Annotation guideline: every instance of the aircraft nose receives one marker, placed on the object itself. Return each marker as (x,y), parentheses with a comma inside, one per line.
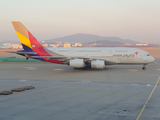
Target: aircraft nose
(152,59)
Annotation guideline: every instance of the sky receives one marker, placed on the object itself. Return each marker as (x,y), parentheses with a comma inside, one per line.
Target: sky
(137,20)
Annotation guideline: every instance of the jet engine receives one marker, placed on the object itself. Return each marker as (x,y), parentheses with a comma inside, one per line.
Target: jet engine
(77,63)
(98,64)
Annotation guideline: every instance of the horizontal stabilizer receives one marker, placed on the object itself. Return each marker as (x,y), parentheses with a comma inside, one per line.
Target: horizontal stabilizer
(25,53)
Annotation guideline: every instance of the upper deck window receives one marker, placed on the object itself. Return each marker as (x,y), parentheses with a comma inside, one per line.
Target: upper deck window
(121,51)
(88,51)
(63,50)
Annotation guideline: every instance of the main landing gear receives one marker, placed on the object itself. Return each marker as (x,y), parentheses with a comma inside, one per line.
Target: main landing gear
(144,68)
(84,68)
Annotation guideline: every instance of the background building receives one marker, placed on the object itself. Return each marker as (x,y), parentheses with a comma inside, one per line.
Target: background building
(77,45)
(67,45)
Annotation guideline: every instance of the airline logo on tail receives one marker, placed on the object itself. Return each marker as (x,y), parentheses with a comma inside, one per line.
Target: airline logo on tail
(30,44)
(28,41)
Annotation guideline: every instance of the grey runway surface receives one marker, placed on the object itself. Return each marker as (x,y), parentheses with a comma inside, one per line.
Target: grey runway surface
(115,93)
(157,61)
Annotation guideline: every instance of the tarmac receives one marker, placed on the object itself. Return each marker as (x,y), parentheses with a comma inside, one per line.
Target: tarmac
(118,92)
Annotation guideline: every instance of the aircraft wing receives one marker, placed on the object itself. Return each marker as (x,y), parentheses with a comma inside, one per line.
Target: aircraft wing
(66,59)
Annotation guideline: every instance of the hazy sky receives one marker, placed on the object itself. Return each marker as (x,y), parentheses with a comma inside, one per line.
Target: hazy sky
(46,19)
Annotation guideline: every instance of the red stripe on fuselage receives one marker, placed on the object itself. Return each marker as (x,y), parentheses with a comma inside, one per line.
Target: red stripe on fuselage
(38,48)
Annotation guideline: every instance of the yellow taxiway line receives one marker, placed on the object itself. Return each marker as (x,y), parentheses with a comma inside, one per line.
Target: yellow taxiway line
(148,99)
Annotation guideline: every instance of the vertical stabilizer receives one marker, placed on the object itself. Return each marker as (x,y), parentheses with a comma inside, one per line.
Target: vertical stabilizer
(28,41)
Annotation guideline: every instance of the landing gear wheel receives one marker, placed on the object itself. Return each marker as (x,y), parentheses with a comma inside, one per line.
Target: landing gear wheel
(143,68)
(89,67)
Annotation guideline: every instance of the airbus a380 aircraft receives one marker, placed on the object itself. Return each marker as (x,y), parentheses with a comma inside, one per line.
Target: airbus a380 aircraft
(79,57)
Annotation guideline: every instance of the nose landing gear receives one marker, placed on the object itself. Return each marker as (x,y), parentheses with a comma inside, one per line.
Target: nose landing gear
(144,68)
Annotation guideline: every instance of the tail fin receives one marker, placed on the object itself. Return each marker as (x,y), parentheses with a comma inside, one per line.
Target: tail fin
(28,41)
(147,43)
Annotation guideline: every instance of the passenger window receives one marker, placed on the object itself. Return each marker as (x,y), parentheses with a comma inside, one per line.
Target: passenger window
(148,54)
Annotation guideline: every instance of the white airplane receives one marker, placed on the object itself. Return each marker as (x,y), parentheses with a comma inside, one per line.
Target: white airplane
(142,44)
(80,58)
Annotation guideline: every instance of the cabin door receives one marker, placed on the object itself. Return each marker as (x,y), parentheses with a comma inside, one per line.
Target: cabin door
(141,57)
(71,51)
(110,51)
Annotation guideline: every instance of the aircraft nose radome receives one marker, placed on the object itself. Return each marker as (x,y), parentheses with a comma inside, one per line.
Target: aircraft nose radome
(152,59)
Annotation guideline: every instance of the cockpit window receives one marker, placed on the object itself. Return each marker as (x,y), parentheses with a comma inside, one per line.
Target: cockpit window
(148,55)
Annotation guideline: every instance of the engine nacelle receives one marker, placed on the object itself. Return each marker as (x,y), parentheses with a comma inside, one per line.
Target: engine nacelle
(77,63)
(98,64)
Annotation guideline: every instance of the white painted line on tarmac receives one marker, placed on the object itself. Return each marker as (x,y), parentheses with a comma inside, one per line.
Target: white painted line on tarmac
(158,69)
(30,68)
(22,80)
(148,85)
(58,69)
(84,81)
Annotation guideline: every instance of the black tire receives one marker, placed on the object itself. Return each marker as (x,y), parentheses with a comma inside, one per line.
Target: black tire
(144,68)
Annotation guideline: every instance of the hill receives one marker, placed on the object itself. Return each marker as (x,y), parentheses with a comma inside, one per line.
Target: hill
(85,38)
(106,43)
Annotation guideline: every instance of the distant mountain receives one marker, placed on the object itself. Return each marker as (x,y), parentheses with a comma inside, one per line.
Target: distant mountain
(85,38)
(106,43)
